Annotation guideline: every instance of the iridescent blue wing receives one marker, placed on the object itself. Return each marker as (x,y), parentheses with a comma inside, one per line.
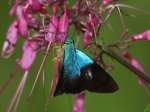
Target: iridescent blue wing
(84,74)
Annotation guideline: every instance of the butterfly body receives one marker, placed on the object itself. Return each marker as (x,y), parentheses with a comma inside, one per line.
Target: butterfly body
(80,73)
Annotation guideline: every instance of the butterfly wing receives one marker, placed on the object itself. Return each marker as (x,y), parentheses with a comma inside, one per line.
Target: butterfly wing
(84,74)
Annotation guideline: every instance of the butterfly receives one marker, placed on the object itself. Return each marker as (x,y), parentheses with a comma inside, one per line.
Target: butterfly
(80,73)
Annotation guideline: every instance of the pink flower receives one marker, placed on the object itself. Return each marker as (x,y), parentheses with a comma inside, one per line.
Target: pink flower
(89,34)
(13,10)
(105,2)
(76,6)
(43,11)
(79,103)
(23,26)
(87,37)
(137,65)
(12,37)
(144,35)
(53,24)
(29,54)
(36,6)
(33,19)
(19,11)
(63,26)
(94,19)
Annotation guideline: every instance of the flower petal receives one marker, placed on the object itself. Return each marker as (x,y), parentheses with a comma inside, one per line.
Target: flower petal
(12,37)
(23,26)
(36,6)
(105,2)
(79,103)
(137,65)
(63,26)
(144,35)
(29,54)
(13,10)
(52,30)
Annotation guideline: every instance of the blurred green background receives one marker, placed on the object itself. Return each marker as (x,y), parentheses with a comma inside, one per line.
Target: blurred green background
(131,97)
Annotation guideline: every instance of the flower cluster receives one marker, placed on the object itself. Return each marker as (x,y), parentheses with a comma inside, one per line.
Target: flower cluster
(87,16)
(38,34)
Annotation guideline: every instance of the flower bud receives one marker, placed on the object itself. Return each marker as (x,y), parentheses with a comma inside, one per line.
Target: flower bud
(52,30)
(144,35)
(105,2)
(29,54)
(13,10)
(23,26)
(63,26)
(136,64)
(12,37)
(79,103)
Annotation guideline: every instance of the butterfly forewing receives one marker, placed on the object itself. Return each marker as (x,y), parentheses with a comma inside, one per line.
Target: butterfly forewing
(84,74)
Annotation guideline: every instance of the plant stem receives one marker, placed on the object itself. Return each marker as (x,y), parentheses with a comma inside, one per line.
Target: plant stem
(124,62)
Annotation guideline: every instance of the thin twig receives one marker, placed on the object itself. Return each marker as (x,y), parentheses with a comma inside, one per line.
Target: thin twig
(123,61)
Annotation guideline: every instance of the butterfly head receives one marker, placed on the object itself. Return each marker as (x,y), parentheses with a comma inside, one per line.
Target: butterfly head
(69,41)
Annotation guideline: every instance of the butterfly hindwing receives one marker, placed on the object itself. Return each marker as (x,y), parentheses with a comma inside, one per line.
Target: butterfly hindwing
(84,74)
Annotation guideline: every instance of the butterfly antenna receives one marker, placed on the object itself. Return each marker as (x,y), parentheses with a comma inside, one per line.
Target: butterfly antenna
(42,64)
(57,29)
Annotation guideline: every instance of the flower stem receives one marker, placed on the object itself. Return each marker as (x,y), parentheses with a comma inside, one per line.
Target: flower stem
(124,62)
